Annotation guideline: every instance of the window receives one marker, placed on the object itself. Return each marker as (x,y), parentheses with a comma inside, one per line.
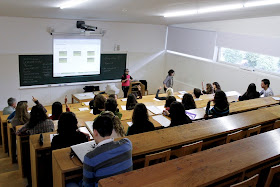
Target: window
(250,60)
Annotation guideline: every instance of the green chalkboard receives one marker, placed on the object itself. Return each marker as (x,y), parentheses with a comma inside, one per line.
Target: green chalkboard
(37,70)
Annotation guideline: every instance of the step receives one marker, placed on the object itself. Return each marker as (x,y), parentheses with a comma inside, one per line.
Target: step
(13,179)
(6,166)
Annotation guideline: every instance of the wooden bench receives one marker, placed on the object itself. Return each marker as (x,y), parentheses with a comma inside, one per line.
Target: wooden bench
(65,168)
(12,143)
(225,164)
(4,134)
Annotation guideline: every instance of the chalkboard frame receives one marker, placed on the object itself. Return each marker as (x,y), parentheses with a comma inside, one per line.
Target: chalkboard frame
(74,80)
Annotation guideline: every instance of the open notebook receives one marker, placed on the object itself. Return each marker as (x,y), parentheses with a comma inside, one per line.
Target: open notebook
(82,149)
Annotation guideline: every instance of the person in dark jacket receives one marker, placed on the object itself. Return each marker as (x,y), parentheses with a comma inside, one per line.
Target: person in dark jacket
(221,105)
(251,93)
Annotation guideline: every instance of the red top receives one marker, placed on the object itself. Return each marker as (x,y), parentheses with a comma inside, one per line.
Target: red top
(126,83)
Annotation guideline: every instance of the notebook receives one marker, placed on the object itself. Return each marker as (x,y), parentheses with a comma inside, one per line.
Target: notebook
(85,130)
(89,126)
(82,149)
(162,120)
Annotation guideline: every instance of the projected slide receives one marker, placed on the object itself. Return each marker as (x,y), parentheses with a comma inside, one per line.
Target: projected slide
(76,57)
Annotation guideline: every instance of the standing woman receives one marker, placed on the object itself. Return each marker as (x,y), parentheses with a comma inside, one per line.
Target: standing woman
(126,82)
(168,82)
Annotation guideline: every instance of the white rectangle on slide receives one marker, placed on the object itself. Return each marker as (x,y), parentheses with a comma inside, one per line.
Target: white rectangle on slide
(154,109)
(162,120)
(76,56)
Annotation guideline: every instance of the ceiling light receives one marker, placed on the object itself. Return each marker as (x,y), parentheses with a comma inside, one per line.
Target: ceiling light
(220,8)
(71,3)
(261,3)
(182,13)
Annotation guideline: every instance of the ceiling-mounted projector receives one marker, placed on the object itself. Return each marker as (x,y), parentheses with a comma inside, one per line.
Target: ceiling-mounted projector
(82,25)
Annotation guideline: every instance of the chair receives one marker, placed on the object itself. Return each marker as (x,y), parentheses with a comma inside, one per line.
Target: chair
(144,82)
(276,124)
(254,131)
(157,157)
(234,136)
(189,149)
(273,170)
(251,182)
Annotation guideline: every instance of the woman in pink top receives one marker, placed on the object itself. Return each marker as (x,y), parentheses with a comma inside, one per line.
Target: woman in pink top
(126,82)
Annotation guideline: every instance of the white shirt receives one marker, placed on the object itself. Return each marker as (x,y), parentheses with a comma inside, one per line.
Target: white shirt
(105,142)
(267,93)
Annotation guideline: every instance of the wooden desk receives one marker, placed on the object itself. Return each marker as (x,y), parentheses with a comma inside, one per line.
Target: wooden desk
(12,143)
(4,134)
(203,168)
(64,168)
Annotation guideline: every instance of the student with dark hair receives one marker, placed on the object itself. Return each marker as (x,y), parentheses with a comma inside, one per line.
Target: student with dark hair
(113,157)
(177,114)
(169,100)
(221,105)
(68,133)
(131,102)
(38,123)
(209,89)
(98,104)
(112,105)
(168,82)
(216,87)
(57,109)
(267,91)
(251,93)
(197,93)
(188,102)
(126,78)
(140,120)
(113,96)
(12,104)
(21,114)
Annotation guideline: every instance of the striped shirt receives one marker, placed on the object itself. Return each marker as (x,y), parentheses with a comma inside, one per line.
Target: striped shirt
(107,159)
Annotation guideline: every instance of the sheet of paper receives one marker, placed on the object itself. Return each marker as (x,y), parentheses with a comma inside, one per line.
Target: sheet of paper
(190,115)
(155,99)
(91,111)
(82,149)
(162,120)
(123,107)
(51,137)
(154,109)
(198,99)
(182,92)
(124,99)
(276,98)
(161,107)
(89,126)
(209,109)
(129,124)
(179,100)
(181,96)
(49,115)
(83,109)
(85,130)
(86,103)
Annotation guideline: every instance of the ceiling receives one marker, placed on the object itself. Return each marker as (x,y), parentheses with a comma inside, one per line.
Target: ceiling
(136,11)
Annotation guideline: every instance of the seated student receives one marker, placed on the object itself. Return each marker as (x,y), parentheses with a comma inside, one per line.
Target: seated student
(197,93)
(38,123)
(111,105)
(113,157)
(21,115)
(138,94)
(188,102)
(118,130)
(98,104)
(68,133)
(12,104)
(177,114)
(114,96)
(209,89)
(57,109)
(169,100)
(140,120)
(221,105)
(250,94)
(267,91)
(169,92)
(216,87)
(131,102)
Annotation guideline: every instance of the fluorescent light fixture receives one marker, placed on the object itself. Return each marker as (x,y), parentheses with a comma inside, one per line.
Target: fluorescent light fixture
(71,3)
(220,8)
(261,3)
(182,13)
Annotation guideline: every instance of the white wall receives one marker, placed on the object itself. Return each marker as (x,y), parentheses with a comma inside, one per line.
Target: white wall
(144,44)
(191,72)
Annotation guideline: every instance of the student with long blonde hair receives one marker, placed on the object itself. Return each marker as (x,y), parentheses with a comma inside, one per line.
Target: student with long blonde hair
(169,92)
(21,116)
